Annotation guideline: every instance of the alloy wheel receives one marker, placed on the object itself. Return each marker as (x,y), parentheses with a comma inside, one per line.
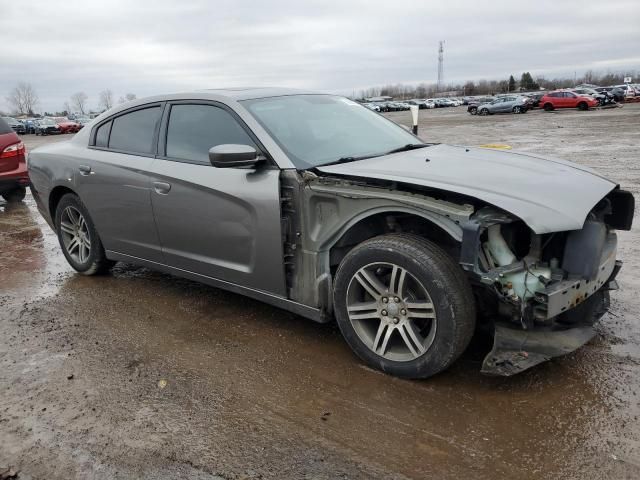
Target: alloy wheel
(75,234)
(391,312)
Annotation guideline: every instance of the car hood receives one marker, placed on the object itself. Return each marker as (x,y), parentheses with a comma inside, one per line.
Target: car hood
(548,194)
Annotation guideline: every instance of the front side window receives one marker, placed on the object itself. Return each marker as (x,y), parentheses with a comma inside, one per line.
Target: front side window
(318,129)
(194,129)
(134,131)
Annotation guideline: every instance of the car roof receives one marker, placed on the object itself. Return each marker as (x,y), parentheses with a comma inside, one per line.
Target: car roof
(249,93)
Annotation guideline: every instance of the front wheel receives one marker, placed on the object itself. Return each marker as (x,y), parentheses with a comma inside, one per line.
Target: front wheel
(78,237)
(548,107)
(517,109)
(403,305)
(583,106)
(473,110)
(484,112)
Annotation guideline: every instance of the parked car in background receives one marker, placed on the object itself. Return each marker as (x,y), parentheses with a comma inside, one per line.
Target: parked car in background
(534,98)
(617,93)
(600,97)
(567,99)
(82,121)
(16,125)
(472,106)
(505,104)
(419,102)
(66,125)
(629,90)
(13,166)
(317,205)
(47,126)
(370,106)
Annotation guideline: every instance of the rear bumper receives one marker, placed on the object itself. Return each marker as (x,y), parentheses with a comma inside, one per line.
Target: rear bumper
(14,178)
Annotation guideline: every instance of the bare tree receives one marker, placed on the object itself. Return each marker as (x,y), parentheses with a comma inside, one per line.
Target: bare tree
(23,98)
(79,101)
(106,99)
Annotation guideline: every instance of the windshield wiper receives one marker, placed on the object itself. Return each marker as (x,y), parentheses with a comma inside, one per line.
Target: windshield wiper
(347,160)
(407,147)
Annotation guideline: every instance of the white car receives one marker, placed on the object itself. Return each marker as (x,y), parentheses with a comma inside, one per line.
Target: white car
(629,91)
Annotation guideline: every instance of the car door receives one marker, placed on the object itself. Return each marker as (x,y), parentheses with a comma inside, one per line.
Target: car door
(494,106)
(223,223)
(112,181)
(507,105)
(570,100)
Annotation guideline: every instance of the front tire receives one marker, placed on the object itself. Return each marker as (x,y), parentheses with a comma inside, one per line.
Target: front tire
(473,110)
(517,109)
(484,112)
(403,305)
(16,194)
(79,238)
(583,106)
(548,107)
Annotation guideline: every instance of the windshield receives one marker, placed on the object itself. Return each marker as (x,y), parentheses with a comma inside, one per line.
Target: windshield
(318,129)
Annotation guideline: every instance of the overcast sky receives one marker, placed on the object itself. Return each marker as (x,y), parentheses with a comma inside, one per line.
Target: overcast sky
(150,47)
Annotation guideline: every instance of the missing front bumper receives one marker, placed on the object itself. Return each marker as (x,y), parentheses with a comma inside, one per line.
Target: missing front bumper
(515,350)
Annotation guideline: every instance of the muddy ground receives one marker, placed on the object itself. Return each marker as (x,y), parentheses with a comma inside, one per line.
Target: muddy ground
(141,375)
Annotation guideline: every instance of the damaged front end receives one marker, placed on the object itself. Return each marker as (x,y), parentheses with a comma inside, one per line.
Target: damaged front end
(542,293)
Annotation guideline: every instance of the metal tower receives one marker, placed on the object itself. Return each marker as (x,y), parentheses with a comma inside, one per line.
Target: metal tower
(440,65)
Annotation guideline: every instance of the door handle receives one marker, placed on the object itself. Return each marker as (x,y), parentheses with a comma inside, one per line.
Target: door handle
(161,187)
(85,170)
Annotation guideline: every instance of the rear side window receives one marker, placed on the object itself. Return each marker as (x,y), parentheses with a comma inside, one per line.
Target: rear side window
(133,132)
(194,129)
(4,127)
(102,135)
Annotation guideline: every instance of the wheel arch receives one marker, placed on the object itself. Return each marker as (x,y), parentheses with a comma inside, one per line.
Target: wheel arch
(372,223)
(54,199)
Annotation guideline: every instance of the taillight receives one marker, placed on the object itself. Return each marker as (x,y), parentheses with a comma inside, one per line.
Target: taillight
(14,150)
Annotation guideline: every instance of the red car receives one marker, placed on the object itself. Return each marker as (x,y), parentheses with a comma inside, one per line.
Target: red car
(565,99)
(67,126)
(14,178)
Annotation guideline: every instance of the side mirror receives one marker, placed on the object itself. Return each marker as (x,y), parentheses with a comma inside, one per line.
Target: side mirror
(233,156)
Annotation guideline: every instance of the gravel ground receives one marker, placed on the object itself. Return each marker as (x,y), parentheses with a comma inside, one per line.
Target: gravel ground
(140,375)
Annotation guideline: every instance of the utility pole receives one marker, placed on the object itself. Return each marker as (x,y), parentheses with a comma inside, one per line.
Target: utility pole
(440,65)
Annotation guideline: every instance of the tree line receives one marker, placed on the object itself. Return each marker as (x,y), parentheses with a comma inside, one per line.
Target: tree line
(24,100)
(526,82)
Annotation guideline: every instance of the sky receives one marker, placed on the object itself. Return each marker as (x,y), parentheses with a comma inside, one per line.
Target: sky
(161,46)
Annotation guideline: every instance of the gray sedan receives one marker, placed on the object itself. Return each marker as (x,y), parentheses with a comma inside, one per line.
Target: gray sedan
(506,104)
(315,204)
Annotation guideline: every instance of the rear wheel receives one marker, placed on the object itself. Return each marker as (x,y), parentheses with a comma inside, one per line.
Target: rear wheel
(548,107)
(583,106)
(78,237)
(403,305)
(16,194)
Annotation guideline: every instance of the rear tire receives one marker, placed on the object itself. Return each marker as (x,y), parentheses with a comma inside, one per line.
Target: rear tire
(17,194)
(403,305)
(79,238)
(548,107)
(583,106)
